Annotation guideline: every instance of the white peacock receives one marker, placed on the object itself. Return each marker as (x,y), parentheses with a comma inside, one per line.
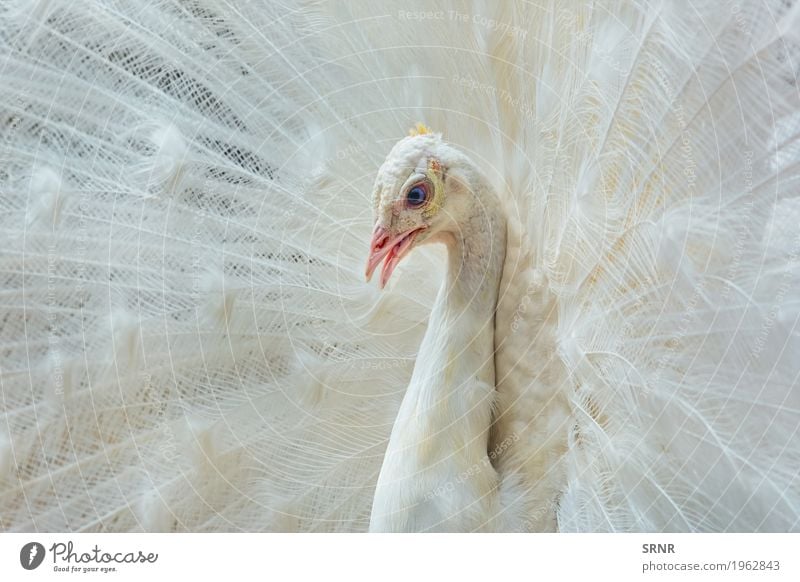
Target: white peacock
(187,342)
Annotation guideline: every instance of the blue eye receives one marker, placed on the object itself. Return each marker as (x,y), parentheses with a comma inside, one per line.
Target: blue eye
(417,196)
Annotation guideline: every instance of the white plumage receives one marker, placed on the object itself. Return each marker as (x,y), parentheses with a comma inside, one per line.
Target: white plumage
(186,199)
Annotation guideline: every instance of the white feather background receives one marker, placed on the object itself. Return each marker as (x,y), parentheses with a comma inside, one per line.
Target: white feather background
(186,339)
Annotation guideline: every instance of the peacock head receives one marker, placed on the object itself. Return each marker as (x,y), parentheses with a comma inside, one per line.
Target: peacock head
(418,198)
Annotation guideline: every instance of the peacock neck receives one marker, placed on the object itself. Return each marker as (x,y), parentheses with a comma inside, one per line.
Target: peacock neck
(436,474)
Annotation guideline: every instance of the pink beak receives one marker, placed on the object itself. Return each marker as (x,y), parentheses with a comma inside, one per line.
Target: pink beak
(392,248)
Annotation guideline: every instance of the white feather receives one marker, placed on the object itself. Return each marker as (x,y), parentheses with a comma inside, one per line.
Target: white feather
(47,198)
(6,457)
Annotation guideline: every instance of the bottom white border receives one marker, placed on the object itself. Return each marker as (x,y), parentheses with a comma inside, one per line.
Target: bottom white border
(228,557)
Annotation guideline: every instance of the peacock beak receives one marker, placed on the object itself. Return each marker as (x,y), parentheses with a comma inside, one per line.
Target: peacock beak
(392,248)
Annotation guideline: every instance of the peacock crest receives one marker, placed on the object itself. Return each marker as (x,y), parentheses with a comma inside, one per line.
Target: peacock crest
(419,129)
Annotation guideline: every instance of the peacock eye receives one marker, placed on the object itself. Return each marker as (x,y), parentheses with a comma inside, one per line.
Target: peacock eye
(417,196)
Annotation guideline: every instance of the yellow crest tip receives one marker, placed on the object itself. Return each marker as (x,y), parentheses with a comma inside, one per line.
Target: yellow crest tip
(419,129)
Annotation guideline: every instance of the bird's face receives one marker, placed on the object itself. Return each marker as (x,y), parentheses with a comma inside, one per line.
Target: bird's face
(410,198)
